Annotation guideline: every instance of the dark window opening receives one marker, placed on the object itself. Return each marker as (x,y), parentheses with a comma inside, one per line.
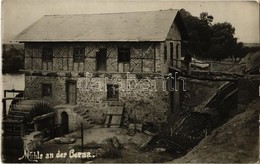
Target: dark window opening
(165,53)
(47,54)
(46,89)
(171,53)
(101,59)
(123,55)
(78,54)
(177,51)
(112,92)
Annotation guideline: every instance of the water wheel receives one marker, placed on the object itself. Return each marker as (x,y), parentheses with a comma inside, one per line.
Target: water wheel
(22,114)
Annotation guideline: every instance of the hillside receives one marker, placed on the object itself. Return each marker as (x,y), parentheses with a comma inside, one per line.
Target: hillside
(235,141)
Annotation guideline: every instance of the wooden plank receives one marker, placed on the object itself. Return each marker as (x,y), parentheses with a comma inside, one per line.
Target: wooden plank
(13,98)
(44,116)
(12,121)
(29,102)
(13,90)
(117,110)
(22,107)
(108,119)
(15,117)
(19,112)
(116,121)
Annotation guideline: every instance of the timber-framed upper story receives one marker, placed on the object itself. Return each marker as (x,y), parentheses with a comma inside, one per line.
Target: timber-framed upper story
(146,42)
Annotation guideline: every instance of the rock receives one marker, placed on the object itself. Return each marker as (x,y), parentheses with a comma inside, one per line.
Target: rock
(229,133)
(158,150)
(149,133)
(64,140)
(144,145)
(115,142)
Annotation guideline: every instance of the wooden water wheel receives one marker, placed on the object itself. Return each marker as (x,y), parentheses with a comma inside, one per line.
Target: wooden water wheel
(22,116)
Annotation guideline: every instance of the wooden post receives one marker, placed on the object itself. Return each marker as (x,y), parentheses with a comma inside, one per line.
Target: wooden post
(189,68)
(4,108)
(22,130)
(35,126)
(210,66)
(82,137)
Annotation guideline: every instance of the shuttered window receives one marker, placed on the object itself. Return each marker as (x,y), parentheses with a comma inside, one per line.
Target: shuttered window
(123,55)
(46,90)
(78,54)
(47,54)
(112,92)
(165,53)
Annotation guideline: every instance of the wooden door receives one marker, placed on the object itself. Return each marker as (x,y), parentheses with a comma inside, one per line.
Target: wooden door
(71,92)
(64,122)
(101,59)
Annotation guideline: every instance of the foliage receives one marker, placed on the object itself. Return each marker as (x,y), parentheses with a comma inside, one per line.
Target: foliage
(211,41)
(12,59)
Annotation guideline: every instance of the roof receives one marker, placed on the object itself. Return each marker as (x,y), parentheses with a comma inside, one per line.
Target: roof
(132,26)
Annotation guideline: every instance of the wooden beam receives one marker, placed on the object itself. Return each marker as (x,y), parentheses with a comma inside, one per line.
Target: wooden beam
(13,121)
(96,72)
(44,116)
(4,109)
(12,98)
(13,90)
(205,75)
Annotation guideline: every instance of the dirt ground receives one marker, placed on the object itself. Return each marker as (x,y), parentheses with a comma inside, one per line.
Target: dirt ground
(130,151)
(235,141)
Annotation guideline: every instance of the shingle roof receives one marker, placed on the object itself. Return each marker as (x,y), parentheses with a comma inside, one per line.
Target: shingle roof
(132,26)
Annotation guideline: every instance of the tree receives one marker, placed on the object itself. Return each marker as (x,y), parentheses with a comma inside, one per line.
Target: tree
(12,60)
(223,37)
(199,31)
(211,41)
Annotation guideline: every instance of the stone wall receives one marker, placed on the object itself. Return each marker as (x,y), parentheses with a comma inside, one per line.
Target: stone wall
(74,120)
(148,102)
(33,88)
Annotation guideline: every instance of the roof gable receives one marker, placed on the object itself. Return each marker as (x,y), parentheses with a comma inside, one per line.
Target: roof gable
(133,26)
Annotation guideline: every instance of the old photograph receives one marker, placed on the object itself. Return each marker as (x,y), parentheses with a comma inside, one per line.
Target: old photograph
(127,81)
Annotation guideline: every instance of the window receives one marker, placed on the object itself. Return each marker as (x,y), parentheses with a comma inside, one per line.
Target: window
(165,53)
(46,90)
(171,51)
(177,51)
(101,59)
(47,54)
(123,55)
(79,55)
(112,92)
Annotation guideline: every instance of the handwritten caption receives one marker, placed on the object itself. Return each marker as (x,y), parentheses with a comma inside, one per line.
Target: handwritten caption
(34,156)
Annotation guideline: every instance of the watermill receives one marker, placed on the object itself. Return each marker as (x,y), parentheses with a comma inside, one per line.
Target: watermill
(27,116)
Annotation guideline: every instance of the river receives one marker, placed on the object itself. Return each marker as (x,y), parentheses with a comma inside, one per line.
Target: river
(10,81)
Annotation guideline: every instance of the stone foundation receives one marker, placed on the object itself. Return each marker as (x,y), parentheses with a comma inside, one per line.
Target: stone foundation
(148,103)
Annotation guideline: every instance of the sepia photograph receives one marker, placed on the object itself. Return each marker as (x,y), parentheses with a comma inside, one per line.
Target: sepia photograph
(130,81)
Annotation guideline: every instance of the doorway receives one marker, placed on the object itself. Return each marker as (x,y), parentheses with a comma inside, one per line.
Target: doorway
(64,122)
(71,92)
(101,59)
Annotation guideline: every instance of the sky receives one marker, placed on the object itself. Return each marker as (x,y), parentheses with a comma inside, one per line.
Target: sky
(19,14)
